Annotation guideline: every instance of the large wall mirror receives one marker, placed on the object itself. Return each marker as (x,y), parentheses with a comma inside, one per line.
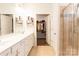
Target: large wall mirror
(6,24)
(12,23)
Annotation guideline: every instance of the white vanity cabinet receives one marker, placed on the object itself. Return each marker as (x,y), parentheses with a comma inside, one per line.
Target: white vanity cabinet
(6,52)
(15,50)
(18,48)
(21,48)
(29,42)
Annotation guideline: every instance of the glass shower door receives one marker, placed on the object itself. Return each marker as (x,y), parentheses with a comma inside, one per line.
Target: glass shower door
(71,25)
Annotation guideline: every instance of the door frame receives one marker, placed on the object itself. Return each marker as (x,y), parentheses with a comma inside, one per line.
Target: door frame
(61,31)
(48,16)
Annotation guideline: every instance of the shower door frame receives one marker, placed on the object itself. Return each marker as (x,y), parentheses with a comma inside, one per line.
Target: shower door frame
(62,47)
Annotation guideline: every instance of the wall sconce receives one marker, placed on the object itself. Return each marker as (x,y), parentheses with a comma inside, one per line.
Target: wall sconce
(19,20)
(30,20)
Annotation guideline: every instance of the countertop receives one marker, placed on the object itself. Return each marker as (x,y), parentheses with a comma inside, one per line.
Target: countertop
(9,40)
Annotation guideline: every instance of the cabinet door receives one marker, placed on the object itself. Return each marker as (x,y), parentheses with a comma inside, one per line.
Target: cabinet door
(26,45)
(21,48)
(29,42)
(31,39)
(6,53)
(18,49)
(15,50)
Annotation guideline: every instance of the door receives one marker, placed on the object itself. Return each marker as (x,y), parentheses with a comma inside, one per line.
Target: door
(69,41)
(43,29)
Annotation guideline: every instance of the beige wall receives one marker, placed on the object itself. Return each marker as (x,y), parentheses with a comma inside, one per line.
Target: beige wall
(41,17)
(55,23)
(48,27)
(7,8)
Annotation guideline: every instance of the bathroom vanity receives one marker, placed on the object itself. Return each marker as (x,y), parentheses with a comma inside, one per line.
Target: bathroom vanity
(19,45)
(21,41)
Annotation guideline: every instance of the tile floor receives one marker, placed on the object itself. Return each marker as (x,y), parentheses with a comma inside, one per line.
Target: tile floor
(42,51)
(42,42)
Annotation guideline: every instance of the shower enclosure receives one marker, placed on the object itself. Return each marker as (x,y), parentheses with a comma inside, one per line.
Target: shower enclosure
(69,41)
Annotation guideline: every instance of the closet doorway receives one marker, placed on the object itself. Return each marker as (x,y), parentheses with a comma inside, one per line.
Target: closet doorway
(41,26)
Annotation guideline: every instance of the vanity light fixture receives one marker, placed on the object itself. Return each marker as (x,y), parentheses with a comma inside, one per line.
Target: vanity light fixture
(30,20)
(19,20)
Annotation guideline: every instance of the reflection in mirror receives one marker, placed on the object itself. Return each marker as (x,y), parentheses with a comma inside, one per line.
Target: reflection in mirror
(30,20)
(6,24)
(18,24)
(19,20)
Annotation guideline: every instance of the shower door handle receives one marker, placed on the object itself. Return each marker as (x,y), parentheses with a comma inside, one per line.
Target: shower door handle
(75,30)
